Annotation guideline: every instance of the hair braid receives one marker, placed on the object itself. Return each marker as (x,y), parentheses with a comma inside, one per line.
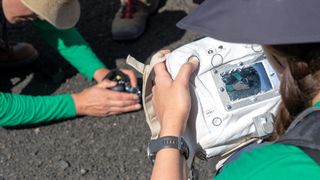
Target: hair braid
(299,85)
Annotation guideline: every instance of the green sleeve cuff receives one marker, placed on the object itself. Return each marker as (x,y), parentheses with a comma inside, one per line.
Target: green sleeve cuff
(23,109)
(317,104)
(72,46)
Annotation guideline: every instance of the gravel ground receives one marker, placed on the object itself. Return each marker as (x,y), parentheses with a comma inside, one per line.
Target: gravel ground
(86,147)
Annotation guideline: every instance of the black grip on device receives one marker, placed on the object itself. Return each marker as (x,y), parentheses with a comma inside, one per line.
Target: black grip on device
(123,82)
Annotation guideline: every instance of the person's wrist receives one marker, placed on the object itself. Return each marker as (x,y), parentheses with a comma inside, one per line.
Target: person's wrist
(77,104)
(167,132)
(174,127)
(100,74)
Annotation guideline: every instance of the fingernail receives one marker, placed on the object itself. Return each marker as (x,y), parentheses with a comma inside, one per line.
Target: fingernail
(112,83)
(136,97)
(138,106)
(165,51)
(194,59)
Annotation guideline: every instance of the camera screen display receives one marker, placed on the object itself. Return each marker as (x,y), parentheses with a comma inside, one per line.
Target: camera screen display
(245,82)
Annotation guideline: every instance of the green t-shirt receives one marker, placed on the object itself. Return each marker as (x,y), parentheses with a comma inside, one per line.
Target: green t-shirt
(272,162)
(275,162)
(22,109)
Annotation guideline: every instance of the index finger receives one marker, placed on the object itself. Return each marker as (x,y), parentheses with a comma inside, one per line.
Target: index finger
(160,69)
(121,96)
(186,70)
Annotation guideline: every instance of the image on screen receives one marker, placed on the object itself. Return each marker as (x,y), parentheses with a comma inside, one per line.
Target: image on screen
(245,82)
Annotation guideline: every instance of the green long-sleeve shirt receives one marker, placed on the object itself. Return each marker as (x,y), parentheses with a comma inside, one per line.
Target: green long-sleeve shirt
(71,45)
(22,109)
(274,161)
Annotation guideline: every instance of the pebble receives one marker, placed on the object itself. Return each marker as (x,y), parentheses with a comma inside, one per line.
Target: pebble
(37,130)
(34,153)
(84,171)
(122,169)
(135,150)
(63,164)
(2,146)
(39,163)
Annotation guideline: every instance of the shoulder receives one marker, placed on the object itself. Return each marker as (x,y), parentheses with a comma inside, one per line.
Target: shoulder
(275,161)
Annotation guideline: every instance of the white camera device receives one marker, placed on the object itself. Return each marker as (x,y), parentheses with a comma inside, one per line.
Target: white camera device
(234,95)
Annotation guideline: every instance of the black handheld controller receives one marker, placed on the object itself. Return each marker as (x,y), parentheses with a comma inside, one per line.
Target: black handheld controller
(123,82)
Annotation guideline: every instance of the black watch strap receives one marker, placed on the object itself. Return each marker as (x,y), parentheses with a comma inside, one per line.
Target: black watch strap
(167,142)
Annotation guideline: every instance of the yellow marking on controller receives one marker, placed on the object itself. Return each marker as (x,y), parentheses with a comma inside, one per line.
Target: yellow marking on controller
(118,77)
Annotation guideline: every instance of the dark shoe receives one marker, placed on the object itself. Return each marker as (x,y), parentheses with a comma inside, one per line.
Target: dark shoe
(15,54)
(131,19)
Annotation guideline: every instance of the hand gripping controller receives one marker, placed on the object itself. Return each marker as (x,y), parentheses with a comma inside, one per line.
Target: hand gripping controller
(123,82)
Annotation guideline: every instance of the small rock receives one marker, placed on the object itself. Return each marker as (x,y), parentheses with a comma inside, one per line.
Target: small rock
(39,163)
(36,130)
(14,81)
(120,63)
(136,150)
(63,164)
(122,169)
(34,153)
(84,171)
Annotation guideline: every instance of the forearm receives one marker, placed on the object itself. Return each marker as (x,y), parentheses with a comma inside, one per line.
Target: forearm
(22,109)
(72,46)
(172,103)
(170,163)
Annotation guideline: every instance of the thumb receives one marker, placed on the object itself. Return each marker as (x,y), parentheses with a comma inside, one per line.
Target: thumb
(187,69)
(106,84)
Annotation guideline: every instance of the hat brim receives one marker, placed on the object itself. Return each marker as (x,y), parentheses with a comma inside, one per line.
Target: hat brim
(261,22)
(62,17)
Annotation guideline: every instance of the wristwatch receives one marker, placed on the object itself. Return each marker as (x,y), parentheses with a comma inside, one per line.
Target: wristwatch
(167,142)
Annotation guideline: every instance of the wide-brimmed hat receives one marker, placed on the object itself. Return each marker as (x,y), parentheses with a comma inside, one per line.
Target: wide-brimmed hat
(257,21)
(63,14)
